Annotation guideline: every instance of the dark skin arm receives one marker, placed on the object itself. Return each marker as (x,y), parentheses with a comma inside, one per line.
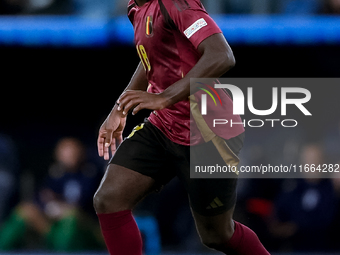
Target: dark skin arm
(216,59)
(111,131)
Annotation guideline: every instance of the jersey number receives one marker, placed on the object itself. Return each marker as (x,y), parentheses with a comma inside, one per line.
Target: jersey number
(144,57)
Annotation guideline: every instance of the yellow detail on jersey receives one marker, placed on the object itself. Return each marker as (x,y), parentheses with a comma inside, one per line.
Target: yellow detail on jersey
(144,57)
(135,130)
(149,25)
(140,57)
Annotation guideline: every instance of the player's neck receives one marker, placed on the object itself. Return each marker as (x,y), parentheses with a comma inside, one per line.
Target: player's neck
(140,3)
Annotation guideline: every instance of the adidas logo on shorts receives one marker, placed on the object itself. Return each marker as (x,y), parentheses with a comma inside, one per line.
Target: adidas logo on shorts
(215,203)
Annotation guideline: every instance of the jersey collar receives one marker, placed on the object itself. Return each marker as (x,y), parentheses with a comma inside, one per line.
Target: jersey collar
(143,4)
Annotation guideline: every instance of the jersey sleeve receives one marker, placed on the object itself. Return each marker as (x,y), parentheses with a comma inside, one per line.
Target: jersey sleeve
(191,19)
(131,10)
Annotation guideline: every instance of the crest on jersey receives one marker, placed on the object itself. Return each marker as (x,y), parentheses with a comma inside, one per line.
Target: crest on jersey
(149,26)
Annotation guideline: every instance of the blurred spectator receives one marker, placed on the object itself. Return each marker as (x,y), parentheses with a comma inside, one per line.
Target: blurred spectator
(9,169)
(300,7)
(261,6)
(256,196)
(108,8)
(58,7)
(255,206)
(238,6)
(36,7)
(213,7)
(87,8)
(11,6)
(332,6)
(96,9)
(306,208)
(336,224)
(61,214)
(332,142)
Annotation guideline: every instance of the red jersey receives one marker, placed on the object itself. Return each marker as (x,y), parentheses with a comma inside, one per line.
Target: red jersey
(167,34)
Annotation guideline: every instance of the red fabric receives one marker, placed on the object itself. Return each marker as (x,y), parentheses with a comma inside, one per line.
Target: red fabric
(168,55)
(259,206)
(244,242)
(121,234)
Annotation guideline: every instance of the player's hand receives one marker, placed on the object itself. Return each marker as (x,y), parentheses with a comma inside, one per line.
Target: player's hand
(110,135)
(137,100)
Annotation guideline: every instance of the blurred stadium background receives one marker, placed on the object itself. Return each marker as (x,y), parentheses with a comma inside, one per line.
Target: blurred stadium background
(65,62)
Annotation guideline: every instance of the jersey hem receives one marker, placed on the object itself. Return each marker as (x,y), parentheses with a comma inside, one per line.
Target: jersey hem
(164,133)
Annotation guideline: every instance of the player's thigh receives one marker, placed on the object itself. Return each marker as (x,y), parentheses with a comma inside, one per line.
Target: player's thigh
(121,189)
(139,166)
(208,196)
(145,151)
(212,200)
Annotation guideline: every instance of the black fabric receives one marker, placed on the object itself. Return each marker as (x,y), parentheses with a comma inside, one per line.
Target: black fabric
(167,19)
(149,152)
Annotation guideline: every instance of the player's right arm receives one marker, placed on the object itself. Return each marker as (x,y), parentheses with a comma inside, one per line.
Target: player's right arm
(111,131)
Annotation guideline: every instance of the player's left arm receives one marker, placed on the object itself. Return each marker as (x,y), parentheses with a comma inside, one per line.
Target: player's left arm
(216,59)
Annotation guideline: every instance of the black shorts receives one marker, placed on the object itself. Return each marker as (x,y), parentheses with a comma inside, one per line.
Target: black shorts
(149,152)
